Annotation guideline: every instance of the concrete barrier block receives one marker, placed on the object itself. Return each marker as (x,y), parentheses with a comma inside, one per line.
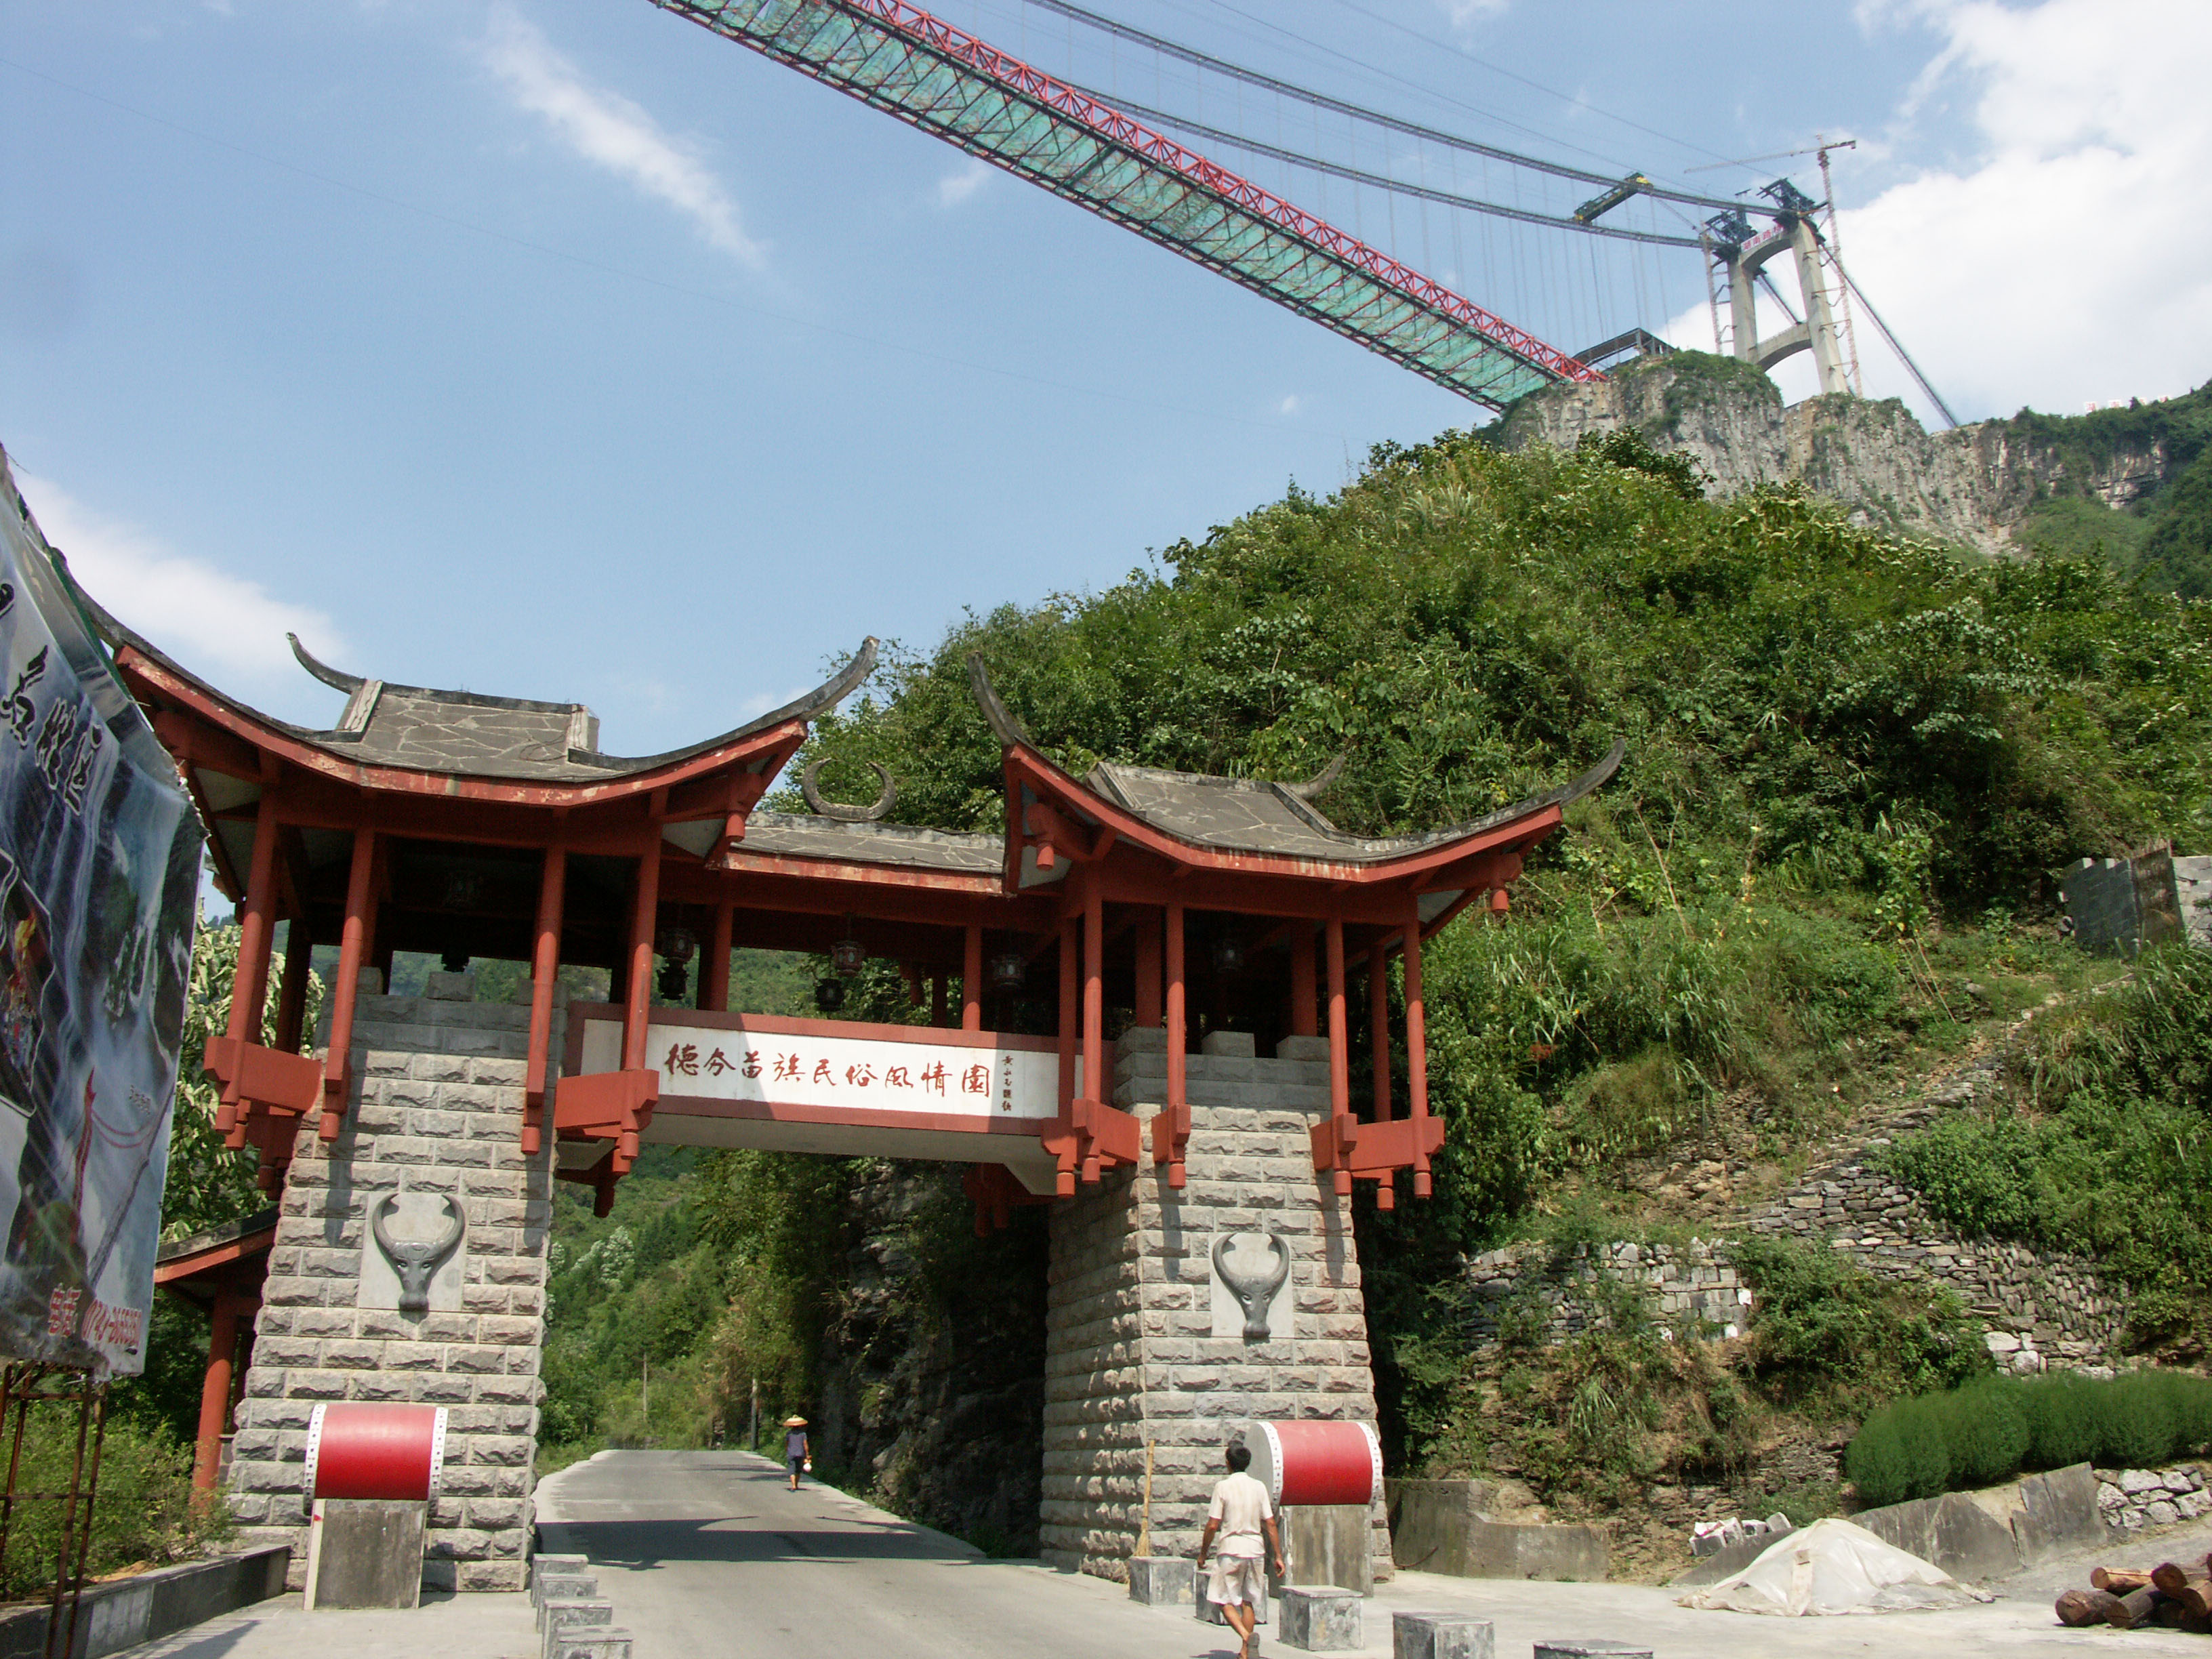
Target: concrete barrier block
(1321,1619)
(563,1587)
(558,1613)
(2058,1512)
(1442,1636)
(589,1641)
(1562,1648)
(1163,1580)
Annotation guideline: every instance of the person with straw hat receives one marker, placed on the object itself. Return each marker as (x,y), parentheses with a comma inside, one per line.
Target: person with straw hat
(796,1456)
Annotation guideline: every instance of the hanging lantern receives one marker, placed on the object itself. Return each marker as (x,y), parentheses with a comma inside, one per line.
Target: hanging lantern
(847,954)
(1228,956)
(676,947)
(1008,971)
(829,994)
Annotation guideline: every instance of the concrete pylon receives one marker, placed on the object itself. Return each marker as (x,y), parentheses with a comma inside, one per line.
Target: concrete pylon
(1816,334)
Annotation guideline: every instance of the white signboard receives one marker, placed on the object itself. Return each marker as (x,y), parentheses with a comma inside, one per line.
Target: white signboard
(786,1062)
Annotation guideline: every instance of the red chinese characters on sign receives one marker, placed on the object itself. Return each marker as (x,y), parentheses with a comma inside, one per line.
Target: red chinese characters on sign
(801,1069)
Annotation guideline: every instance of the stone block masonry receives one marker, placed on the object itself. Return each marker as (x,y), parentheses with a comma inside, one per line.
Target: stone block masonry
(436,1107)
(1131,1356)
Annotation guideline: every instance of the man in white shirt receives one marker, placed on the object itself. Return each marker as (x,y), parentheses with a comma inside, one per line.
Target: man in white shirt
(1241,1513)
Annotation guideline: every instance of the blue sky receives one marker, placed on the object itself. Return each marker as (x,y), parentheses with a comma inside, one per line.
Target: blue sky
(563,350)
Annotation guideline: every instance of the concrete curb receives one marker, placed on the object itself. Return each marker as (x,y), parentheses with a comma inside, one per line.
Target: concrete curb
(125,1612)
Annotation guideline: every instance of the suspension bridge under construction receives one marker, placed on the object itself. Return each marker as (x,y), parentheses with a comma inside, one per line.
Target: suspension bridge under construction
(1107,153)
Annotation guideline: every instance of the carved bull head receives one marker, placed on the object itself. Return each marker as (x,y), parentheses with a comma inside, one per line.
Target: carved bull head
(415,1259)
(1253,1294)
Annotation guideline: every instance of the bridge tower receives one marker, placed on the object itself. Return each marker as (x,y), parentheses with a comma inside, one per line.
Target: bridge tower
(1743,255)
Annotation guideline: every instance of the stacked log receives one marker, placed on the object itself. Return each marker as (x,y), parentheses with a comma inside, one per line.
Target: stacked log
(2174,1595)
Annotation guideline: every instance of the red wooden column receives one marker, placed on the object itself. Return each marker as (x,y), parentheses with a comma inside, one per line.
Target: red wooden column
(1303,993)
(544,969)
(250,983)
(1171,1129)
(1097,1088)
(937,1003)
(292,996)
(714,972)
(1417,1048)
(638,1011)
(1340,1059)
(1378,1026)
(1065,1185)
(215,1392)
(353,949)
(1148,970)
(971,982)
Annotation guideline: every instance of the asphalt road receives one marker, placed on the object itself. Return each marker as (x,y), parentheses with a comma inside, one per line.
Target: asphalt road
(707,1556)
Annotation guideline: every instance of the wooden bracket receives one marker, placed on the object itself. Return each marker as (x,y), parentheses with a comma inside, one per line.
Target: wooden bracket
(1109,1137)
(1170,1136)
(613,1106)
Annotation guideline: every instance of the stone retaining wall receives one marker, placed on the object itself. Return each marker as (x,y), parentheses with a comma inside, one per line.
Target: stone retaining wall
(2131,1499)
(1693,1287)
(2042,1309)
(436,1109)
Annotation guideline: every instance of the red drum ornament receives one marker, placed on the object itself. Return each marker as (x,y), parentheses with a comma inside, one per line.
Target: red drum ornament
(356,1449)
(1314,1462)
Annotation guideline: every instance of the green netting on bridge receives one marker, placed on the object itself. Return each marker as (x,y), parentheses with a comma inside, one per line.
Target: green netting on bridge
(933,76)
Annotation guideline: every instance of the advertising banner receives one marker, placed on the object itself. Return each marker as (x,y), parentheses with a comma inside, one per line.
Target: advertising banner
(99,870)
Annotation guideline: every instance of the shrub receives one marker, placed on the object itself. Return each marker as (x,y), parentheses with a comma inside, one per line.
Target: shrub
(1991,1430)
(2065,1422)
(1899,1455)
(1986,1430)
(1830,1335)
(143,1510)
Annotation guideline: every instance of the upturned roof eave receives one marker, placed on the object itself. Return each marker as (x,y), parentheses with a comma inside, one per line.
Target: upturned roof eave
(783,728)
(1516,827)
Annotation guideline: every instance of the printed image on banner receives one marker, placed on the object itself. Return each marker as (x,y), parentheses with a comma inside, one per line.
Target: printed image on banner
(100,869)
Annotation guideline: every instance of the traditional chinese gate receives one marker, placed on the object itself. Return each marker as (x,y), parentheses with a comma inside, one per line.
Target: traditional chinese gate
(1224,921)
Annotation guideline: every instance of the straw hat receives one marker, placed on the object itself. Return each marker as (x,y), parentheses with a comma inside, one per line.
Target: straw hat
(794,1422)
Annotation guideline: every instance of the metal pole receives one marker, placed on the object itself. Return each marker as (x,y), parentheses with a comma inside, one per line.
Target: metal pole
(1836,252)
(68,1530)
(91,1496)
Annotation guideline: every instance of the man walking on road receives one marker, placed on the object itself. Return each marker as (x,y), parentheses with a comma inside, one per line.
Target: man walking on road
(1240,1512)
(797,1458)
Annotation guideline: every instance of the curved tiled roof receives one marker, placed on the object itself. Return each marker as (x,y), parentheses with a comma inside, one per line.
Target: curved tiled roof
(1254,815)
(468,734)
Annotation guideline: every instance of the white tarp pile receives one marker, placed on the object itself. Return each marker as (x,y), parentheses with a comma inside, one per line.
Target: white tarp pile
(1829,1567)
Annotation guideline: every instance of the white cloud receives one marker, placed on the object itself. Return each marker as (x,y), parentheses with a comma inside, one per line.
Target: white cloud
(215,624)
(954,188)
(607,129)
(1466,14)
(1290,404)
(2065,259)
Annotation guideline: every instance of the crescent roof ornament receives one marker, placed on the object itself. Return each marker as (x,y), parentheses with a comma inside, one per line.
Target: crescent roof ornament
(1010,731)
(1321,781)
(843,813)
(336,679)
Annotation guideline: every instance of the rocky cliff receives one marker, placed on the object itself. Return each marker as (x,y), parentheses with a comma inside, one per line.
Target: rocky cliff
(1972,485)
(932,1369)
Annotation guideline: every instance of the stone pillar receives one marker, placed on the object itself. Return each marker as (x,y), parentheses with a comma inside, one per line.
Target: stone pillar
(1132,1353)
(436,1111)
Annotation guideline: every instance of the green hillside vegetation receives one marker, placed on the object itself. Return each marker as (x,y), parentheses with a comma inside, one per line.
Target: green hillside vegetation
(2164,538)
(1854,767)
